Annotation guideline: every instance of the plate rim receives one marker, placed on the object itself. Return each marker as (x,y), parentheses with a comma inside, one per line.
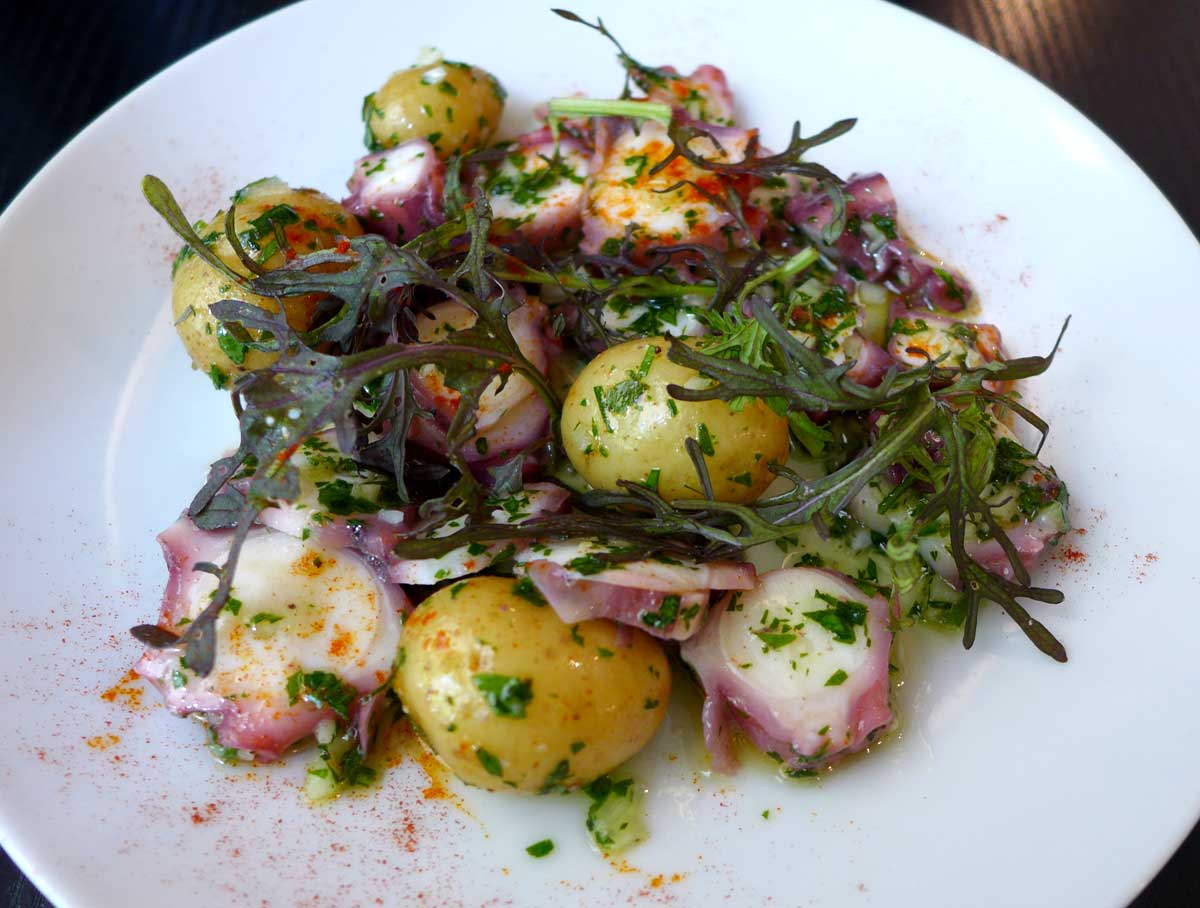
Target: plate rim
(10,837)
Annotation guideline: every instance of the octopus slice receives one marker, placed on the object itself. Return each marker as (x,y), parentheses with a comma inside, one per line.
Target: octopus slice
(827,319)
(534,500)
(297,607)
(870,247)
(703,95)
(1028,501)
(510,415)
(917,337)
(674,205)
(799,665)
(536,189)
(666,598)
(397,193)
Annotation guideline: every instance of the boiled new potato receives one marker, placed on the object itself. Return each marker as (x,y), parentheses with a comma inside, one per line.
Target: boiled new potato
(310,221)
(508,696)
(619,422)
(455,106)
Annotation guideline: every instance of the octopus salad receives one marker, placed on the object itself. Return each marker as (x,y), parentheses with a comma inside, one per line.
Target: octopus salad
(532,429)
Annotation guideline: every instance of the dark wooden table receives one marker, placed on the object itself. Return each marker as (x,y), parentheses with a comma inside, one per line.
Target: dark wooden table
(1132,66)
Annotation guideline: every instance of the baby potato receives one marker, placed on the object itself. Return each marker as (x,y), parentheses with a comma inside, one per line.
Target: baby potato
(508,696)
(455,106)
(310,221)
(619,422)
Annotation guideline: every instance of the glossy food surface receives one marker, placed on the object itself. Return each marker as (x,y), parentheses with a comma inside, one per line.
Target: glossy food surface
(508,696)
(455,106)
(619,422)
(309,220)
(90,485)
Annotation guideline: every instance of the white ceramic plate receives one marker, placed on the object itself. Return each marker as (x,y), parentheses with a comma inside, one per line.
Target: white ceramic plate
(1014,780)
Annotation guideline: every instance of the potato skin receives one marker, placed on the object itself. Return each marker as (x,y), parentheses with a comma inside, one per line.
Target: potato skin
(196,285)
(591,703)
(455,106)
(640,430)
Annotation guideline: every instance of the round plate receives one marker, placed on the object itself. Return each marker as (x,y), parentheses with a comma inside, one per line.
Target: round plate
(1013,780)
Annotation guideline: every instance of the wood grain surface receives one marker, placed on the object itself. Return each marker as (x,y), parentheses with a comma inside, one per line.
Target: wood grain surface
(1132,66)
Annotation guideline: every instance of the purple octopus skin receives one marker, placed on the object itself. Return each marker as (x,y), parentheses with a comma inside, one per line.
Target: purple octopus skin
(1031,536)
(644,594)
(1030,540)
(506,423)
(257,716)
(704,95)
(871,361)
(870,248)
(761,680)
(554,218)
(397,193)
(521,427)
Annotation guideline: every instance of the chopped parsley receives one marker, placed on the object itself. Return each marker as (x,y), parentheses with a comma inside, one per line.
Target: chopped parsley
(885,225)
(638,162)
(323,690)
(599,392)
(371,111)
(489,762)
(506,695)
(1012,461)
(265,618)
(908,327)
(840,618)
(953,290)
(556,777)
(1032,498)
(587,565)
(668,611)
(540,849)
(612,817)
(623,395)
(337,497)
(774,640)
(527,590)
(529,187)
(264,225)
